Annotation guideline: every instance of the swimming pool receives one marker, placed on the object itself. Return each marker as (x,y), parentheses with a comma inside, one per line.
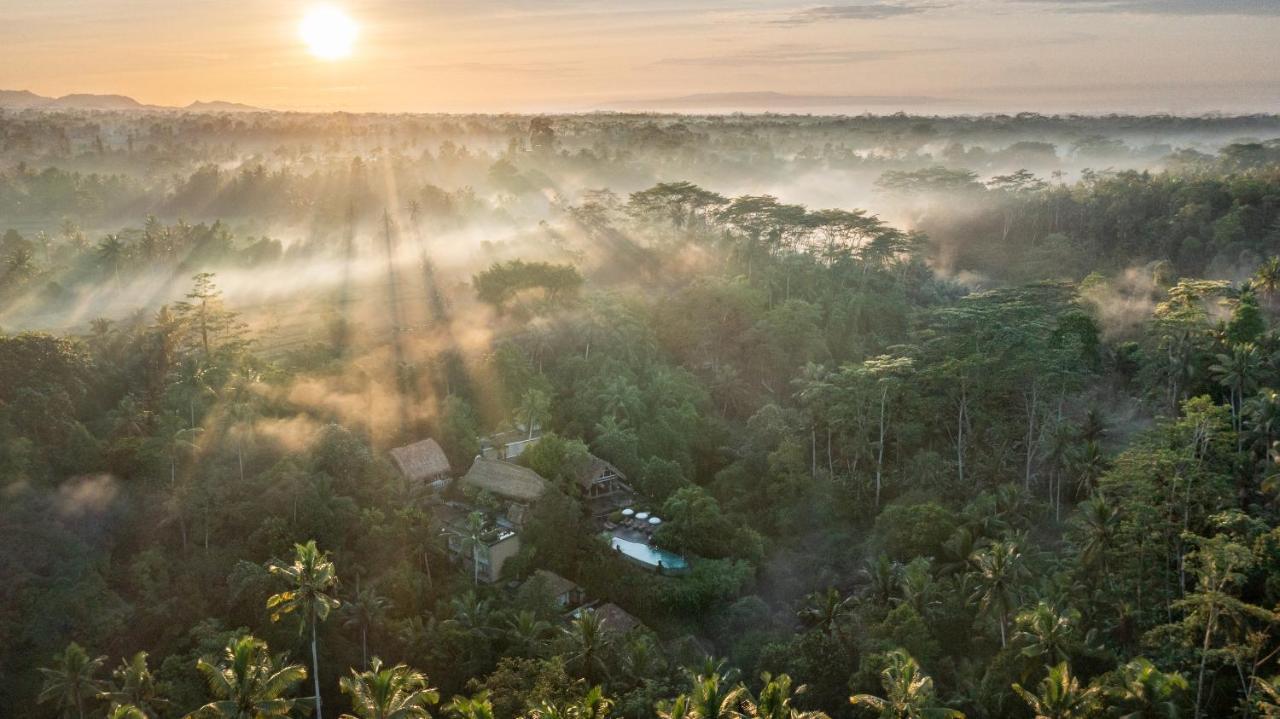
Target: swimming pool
(648,556)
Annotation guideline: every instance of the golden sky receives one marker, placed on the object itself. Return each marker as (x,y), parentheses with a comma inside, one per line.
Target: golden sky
(535,55)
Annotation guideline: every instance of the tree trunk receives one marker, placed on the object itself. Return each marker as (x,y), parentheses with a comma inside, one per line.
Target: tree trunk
(884,396)
(1031,424)
(1204,657)
(315,665)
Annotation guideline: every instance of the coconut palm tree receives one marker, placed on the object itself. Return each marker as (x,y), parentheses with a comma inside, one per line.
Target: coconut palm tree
(527,634)
(1097,523)
(311,576)
(908,691)
(998,571)
(587,645)
(70,681)
(397,692)
(1267,278)
(1238,372)
(111,252)
(774,701)
(248,683)
(677,708)
(473,535)
(476,707)
(535,407)
(592,705)
(1061,696)
(715,697)
(1046,635)
(826,610)
(1088,463)
(1143,691)
(366,609)
(135,686)
(126,711)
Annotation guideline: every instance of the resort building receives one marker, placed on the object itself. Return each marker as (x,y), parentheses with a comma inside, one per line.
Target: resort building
(566,593)
(604,487)
(518,487)
(482,548)
(423,462)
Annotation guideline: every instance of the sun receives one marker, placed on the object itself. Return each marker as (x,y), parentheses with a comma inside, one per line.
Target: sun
(328,32)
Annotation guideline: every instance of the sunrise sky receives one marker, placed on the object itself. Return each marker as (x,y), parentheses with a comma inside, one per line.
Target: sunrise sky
(536,55)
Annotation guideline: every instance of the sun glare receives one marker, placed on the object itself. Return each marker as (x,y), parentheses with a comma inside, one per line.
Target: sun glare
(328,32)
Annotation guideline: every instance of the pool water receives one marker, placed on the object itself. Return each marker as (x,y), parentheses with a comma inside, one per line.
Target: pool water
(649,556)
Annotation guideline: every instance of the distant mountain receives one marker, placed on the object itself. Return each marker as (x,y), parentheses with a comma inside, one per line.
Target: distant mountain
(26,100)
(221,106)
(21,99)
(770,101)
(81,101)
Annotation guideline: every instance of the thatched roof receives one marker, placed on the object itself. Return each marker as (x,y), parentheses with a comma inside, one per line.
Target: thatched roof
(595,468)
(421,460)
(506,480)
(615,619)
(554,583)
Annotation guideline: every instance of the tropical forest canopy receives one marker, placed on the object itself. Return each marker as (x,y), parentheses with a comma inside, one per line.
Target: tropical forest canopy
(948,415)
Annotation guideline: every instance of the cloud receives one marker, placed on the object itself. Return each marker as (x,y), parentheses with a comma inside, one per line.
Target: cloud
(860,11)
(786,55)
(1164,7)
(508,68)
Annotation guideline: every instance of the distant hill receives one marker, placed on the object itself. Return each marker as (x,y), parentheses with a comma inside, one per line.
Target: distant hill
(26,100)
(770,101)
(81,101)
(221,106)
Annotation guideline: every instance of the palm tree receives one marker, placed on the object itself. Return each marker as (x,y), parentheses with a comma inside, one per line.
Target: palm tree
(472,615)
(588,644)
(192,382)
(774,701)
(1061,696)
(395,693)
(248,683)
(1267,278)
(1097,524)
(126,711)
(70,681)
(998,569)
(527,633)
(311,576)
(641,660)
(111,252)
(367,609)
(1238,372)
(714,697)
(1046,635)
(592,705)
(621,399)
(883,574)
(135,686)
(1145,692)
(677,708)
(475,707)
(535,407)
(826,610)
(908,691)
(1088,463)
(473,535)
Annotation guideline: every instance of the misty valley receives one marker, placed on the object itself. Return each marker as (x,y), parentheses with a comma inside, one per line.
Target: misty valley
(575,416)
